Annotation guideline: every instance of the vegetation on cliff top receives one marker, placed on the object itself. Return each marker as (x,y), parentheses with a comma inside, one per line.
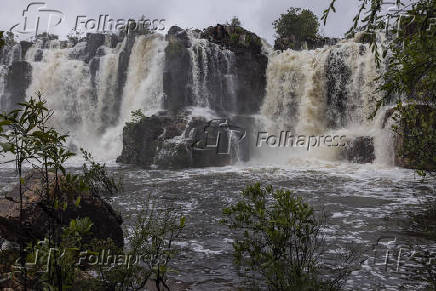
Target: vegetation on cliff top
(295,27)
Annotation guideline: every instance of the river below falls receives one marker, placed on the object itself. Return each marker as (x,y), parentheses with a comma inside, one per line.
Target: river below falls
(365,204)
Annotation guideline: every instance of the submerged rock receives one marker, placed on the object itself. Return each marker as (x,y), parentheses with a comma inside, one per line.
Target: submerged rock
(107,224)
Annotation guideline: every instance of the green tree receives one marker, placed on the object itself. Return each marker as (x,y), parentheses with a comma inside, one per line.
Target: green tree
(235,21)
(294,27)
(409,78)
(17,130)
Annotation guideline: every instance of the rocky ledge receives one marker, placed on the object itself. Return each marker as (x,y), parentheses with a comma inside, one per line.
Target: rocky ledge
(230,64)
(291,42)
(107,224)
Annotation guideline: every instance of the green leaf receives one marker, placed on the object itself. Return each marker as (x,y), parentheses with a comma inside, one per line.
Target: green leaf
(77,202)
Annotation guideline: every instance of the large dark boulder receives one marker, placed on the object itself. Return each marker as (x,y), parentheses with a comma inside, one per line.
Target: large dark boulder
(359,150)
(168,141)
(107,223)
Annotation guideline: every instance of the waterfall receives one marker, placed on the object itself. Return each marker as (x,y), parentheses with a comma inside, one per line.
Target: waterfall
(94,86)
(144,86)
(107,85)
(65,84)
(85,96)
(324,91)
(294,99)
(213,74)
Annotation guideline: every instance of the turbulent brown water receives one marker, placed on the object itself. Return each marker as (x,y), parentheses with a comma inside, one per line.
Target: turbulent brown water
(364,204)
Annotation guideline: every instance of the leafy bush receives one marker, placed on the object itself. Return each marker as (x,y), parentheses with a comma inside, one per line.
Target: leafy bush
(137,115)
(234,38)
(279,242)
(151,251)
(96,177)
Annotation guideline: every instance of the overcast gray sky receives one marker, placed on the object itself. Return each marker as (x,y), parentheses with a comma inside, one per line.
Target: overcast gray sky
(255,15)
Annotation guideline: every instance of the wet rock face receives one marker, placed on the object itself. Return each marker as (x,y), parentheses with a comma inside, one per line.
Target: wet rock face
(249,66)
(180,142)
(18,79)
(410,160)
(107,224)
(338,77)
(222,68)
(360,150)
(291,42)
(177,76)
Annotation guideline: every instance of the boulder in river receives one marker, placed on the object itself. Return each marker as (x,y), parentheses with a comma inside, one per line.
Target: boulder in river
(359,150)
(181,141)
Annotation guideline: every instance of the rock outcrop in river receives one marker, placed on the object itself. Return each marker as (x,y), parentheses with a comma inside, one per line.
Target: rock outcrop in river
(180,141)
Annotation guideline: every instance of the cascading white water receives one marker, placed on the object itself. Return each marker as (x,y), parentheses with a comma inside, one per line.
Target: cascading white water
(323,91)
(143,89)
(107,85)
(66,85)
(212,73)
(295,98)
(90,115)
(144,85)
(3,74)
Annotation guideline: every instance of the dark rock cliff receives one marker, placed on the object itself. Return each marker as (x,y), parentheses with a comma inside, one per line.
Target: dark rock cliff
(229,70)
(17,80)
(221,68)
(291,42)
(406,155)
